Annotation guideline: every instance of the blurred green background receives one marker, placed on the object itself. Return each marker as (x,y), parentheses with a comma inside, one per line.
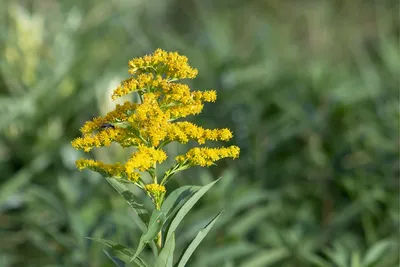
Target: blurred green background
(309,88)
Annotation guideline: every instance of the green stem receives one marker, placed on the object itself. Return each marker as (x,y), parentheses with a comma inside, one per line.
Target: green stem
(159,235)
(159,240)
(158,207)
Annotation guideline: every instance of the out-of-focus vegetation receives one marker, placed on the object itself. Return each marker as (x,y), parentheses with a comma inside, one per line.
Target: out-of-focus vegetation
(309,88)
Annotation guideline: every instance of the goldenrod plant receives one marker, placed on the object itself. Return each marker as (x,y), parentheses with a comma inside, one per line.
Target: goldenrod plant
(149,126)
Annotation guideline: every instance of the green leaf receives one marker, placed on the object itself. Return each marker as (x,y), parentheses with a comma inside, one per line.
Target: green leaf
(338,255)
(166,256)
(114,245)
(232,251)
(156,223)
(132,201)
(267,258)
(172,203)
(121,248)
(157,220)
(241,225)
(196,241)
(314,259)
(376,252)
(117,261)
(23,177)
(187,206)
(355,259)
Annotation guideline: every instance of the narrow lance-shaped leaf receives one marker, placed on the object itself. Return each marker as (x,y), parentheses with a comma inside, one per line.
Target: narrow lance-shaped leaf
(376,252)
(121,248)
(172,203)
(267,258)
(156,223)
(132,201)
(22,177)
(166,256)
(186,208)
(196,241)
(118,262)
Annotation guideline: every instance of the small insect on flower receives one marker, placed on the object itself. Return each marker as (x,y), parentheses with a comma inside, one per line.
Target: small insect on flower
(107,126)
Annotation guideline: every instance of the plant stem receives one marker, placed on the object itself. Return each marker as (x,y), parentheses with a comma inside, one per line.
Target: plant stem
(159,241)
(159,235)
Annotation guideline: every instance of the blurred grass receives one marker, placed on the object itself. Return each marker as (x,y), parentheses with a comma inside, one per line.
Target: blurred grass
(310,89)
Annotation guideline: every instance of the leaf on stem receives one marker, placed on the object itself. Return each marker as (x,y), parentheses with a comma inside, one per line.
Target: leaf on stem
(118,262)
(132,201)
(187,206)
(156,223)
(176,198)
(121,248)
(166,256)
(196,241)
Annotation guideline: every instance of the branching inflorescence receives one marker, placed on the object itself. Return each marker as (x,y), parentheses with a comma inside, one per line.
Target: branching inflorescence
(152,124)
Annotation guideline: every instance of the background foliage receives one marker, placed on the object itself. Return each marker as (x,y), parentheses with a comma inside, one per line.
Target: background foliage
(309,88)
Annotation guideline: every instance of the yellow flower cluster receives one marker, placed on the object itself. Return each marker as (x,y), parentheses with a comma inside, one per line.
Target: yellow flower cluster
(120,113)
(103,138)
(116,170)
(144,159)
(149,120)
(156,192)
(184,131)
(155,189)
(206,157)
(171,64)
(142,82)
(151,124)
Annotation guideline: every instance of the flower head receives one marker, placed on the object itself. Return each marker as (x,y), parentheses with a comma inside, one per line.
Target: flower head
(206,157)
(151,124)
(155,189)
(171,64)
